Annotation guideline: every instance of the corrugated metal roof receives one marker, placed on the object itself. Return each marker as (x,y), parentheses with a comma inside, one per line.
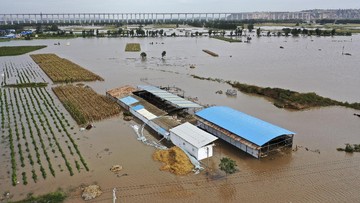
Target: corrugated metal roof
(129,100)
(176,100)
(250,128)
(148,115)
(193,135)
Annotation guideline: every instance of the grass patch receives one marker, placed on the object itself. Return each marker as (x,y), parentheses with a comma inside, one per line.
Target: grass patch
(4,40)
(132,47)
(85,105)
(226,39)
(63,70)
(284,98)
(24,85)
(54,197)
(18,50)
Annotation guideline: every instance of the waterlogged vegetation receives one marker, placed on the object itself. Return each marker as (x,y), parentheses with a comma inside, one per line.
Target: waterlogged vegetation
(132,47)
(35,131)
(84,104)
(350,148)
(284,98)
(30,84)
(54,197)
(227,39)
(18,50)
(63,70)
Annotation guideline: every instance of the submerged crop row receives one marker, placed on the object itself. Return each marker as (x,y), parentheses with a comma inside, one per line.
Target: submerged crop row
(22,75)
(35,132)
(63,70)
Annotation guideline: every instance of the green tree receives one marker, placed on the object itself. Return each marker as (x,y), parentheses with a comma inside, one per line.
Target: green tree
(131,33)
(286,31)
(250,27)
(161,32)
(333,32)
(227,165)
(120,31)
(53,27)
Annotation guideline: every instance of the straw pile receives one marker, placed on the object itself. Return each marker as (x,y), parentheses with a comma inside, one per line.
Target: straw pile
(175,161)
(121,91)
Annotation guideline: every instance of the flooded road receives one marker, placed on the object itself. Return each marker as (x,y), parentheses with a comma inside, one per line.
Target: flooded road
(315,172)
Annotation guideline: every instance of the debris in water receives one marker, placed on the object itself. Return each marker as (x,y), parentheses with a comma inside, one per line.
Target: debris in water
(116,168)
(128,118)
(88,127)
(231,92)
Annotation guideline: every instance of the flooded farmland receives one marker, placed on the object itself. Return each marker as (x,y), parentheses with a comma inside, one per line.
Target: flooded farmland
(313,172)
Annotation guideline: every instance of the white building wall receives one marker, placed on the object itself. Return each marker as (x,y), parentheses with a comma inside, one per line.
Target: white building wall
(178,141)
(205,152)
(198,153)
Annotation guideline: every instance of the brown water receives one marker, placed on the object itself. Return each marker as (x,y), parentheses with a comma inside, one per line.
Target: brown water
(298,176)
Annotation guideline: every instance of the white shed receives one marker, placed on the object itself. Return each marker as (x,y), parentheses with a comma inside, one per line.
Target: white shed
(192,139)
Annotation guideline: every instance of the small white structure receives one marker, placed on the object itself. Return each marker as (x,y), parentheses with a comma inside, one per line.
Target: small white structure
(192,139)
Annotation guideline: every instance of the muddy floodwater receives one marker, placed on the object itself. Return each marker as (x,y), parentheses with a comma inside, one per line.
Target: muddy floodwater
(314,171)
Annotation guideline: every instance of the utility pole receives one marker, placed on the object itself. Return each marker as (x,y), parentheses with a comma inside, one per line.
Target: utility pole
(114,195)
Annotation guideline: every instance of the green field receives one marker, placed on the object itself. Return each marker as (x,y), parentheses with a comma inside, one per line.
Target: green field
(18,50)
(132,47)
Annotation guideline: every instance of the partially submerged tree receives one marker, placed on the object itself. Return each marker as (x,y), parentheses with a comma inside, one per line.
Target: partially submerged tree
(258,32)
(227,165)
(143,55)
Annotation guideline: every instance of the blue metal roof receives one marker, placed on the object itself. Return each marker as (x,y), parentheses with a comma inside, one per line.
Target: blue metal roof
(174,99)
(137,107)
(128,100)
(250,128)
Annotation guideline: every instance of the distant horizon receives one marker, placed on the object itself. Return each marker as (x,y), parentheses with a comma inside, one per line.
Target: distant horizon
(174,6)
(229,12)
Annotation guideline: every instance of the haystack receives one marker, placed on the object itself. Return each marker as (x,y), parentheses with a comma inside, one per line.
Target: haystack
(90,192)
(175,161)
